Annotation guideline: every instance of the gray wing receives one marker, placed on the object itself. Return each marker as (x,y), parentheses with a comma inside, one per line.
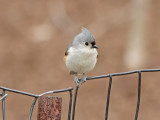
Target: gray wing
(70,45)
(66,52)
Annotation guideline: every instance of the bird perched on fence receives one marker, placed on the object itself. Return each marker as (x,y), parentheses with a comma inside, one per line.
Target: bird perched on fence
(81,54)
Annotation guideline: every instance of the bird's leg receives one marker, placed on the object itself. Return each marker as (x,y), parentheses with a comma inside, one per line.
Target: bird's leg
(83,78)
(76,79)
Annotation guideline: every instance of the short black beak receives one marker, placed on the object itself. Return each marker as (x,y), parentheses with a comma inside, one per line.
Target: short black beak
(94,46)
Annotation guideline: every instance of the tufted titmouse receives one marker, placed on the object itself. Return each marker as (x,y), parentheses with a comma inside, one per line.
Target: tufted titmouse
(81,54)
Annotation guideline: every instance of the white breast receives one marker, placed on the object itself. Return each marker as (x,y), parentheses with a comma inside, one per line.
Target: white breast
(81,60)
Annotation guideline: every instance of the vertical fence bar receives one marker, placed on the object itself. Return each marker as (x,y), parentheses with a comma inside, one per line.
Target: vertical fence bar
(32,107)
(70,105)
(74,104)
(3,106)
(139,95)
(108,97)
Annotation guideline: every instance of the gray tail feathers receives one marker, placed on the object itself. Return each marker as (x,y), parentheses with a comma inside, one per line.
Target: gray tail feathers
(72,72)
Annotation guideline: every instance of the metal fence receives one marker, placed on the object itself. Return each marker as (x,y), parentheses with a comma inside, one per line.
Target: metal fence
(72,109)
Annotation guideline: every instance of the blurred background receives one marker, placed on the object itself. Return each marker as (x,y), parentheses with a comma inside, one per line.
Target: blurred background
(34,35)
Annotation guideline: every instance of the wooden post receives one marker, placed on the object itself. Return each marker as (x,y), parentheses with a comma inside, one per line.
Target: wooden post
(49,108)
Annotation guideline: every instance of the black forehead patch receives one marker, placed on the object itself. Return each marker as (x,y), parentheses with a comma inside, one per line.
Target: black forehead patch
(93,43)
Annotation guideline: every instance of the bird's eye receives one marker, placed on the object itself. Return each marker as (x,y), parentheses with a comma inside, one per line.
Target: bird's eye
(86,43)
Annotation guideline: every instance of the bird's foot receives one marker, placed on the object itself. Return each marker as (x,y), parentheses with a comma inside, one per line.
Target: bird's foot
(83,78)
(76,80)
